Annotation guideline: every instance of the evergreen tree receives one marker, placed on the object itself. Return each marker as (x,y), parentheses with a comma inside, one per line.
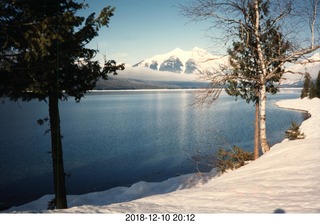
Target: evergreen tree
(312,90)
(318,85)
(232,159)
(247,86)
(261,19)
(294,132)
(44,56)
(306,86)
(244,58)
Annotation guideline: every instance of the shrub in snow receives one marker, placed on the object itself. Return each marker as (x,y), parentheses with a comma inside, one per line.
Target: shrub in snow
(232,159)
(294,132)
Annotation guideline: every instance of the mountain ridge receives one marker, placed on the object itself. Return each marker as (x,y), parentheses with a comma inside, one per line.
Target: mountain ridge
(200,61)
(195,61)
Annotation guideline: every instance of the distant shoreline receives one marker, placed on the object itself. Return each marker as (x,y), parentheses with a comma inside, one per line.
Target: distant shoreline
(167,89)
(146,90)
(305,112)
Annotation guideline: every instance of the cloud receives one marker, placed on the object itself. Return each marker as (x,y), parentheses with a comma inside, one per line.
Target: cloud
(141,73)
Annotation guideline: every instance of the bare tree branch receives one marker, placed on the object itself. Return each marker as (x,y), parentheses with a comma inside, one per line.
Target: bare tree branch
(258,25)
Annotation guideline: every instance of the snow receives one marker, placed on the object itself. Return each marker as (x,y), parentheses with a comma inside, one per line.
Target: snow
(286,179)
(299,69)
(310,127)
(204,60)
(207,62)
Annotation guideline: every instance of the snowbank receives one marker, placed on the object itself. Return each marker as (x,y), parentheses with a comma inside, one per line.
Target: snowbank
(286,179)
(310,127)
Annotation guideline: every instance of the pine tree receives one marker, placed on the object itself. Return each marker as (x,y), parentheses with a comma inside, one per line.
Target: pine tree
(294,132)
(43,56)
(244,60)
(306,85)
(312,90)
(261,19)
(318,85)
(232,159)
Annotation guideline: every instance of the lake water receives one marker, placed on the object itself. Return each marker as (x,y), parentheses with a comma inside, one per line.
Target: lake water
(118,138)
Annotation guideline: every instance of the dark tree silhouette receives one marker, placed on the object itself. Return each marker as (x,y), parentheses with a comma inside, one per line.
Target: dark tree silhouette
(44,56)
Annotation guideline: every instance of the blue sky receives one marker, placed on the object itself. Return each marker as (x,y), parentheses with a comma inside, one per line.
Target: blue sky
(143,28)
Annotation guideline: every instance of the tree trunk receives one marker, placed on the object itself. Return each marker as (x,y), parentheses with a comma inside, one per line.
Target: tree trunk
(57,156)
(263,75)
(312,19)
(256,133)
(263,128)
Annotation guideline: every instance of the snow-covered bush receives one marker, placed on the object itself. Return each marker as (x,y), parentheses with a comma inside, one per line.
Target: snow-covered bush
(232,159)
(294,132)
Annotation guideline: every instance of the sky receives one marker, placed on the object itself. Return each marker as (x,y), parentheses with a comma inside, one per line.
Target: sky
(141,29)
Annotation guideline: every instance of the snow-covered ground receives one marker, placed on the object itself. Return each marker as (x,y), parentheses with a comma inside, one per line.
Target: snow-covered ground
(286,179)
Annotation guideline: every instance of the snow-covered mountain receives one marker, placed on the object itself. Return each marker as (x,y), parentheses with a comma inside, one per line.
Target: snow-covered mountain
(200,61)
(196,61)
(296,79)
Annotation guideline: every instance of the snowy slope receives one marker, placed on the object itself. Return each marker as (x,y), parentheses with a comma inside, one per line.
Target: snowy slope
(286,179)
